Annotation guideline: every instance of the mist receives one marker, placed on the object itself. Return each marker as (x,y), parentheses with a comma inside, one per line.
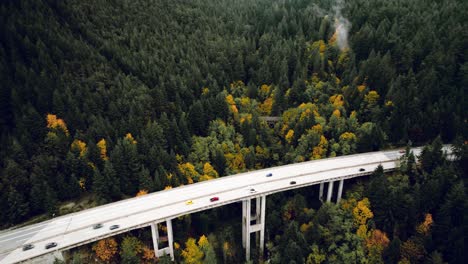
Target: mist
(342,26)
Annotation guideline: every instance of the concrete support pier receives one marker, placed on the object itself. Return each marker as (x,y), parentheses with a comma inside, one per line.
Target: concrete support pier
(340,191)
(321,191)
(259,227)
(330,191)
(169,250)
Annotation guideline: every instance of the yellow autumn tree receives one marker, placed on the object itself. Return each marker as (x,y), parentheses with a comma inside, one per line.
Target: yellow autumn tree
(289,136)
(246,118)
(337,113)
(105,249)
(305,114)
(203,242)
(336,100)
(264,91)
(80,146)
(56,123)
(235,161)
(245,101)
(348,136)
(361,214)
(361,88)
(148,255)
(82,183)
(266,106)
(372,97)
(305,226)
(205,90)
(189,172)
(232,104)
(192,254)
(130,138)
(320,151)
(317,129)
(141,193)
(425,227)
(102,149)
(318,45)
(208,172)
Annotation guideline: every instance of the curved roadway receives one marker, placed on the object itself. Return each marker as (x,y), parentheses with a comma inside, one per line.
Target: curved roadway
(77,229)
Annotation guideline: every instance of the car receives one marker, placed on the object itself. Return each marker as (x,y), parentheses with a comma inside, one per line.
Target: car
(252,190)
(402,151)
(112,227)
(50,245)
(214,199)
(292,182)
(362,169)
(28,247)
(97,226)
(189,202)
(269,174)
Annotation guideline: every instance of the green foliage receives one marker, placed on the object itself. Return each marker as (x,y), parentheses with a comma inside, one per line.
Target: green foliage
(129,250)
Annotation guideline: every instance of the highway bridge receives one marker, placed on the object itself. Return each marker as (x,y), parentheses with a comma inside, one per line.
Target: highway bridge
(161,207)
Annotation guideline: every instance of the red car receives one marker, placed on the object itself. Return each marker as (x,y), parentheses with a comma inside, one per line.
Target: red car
(214,199)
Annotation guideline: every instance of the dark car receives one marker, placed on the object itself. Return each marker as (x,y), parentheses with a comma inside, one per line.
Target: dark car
(214,199)
(269,174)
(97,226)
(112,227)
(50,245)
(292,182)
(28,247)
(362,169)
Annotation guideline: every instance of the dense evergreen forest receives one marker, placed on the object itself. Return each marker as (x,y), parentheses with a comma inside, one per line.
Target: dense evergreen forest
(118,98)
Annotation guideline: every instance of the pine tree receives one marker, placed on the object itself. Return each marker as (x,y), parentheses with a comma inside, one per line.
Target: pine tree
(18,206)
(100,187)
(145,181)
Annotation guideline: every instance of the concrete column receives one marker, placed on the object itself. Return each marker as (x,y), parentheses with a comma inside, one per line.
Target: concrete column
(257,216)
(257,227)
(155,235)
(262,222)
(340,190)
(321,192)
(58,255)
(330,191)
(244,223)
(247,229)
(170,238)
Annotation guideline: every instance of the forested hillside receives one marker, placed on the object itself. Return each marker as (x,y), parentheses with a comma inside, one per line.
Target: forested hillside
(110,99)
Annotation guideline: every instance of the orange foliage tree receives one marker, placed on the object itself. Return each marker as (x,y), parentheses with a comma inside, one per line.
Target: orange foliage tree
(80,146)
(56,123)
(105,249)
(425,227)
(141,192)
(148,255)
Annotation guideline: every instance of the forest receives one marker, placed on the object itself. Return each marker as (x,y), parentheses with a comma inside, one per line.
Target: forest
(107,100)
